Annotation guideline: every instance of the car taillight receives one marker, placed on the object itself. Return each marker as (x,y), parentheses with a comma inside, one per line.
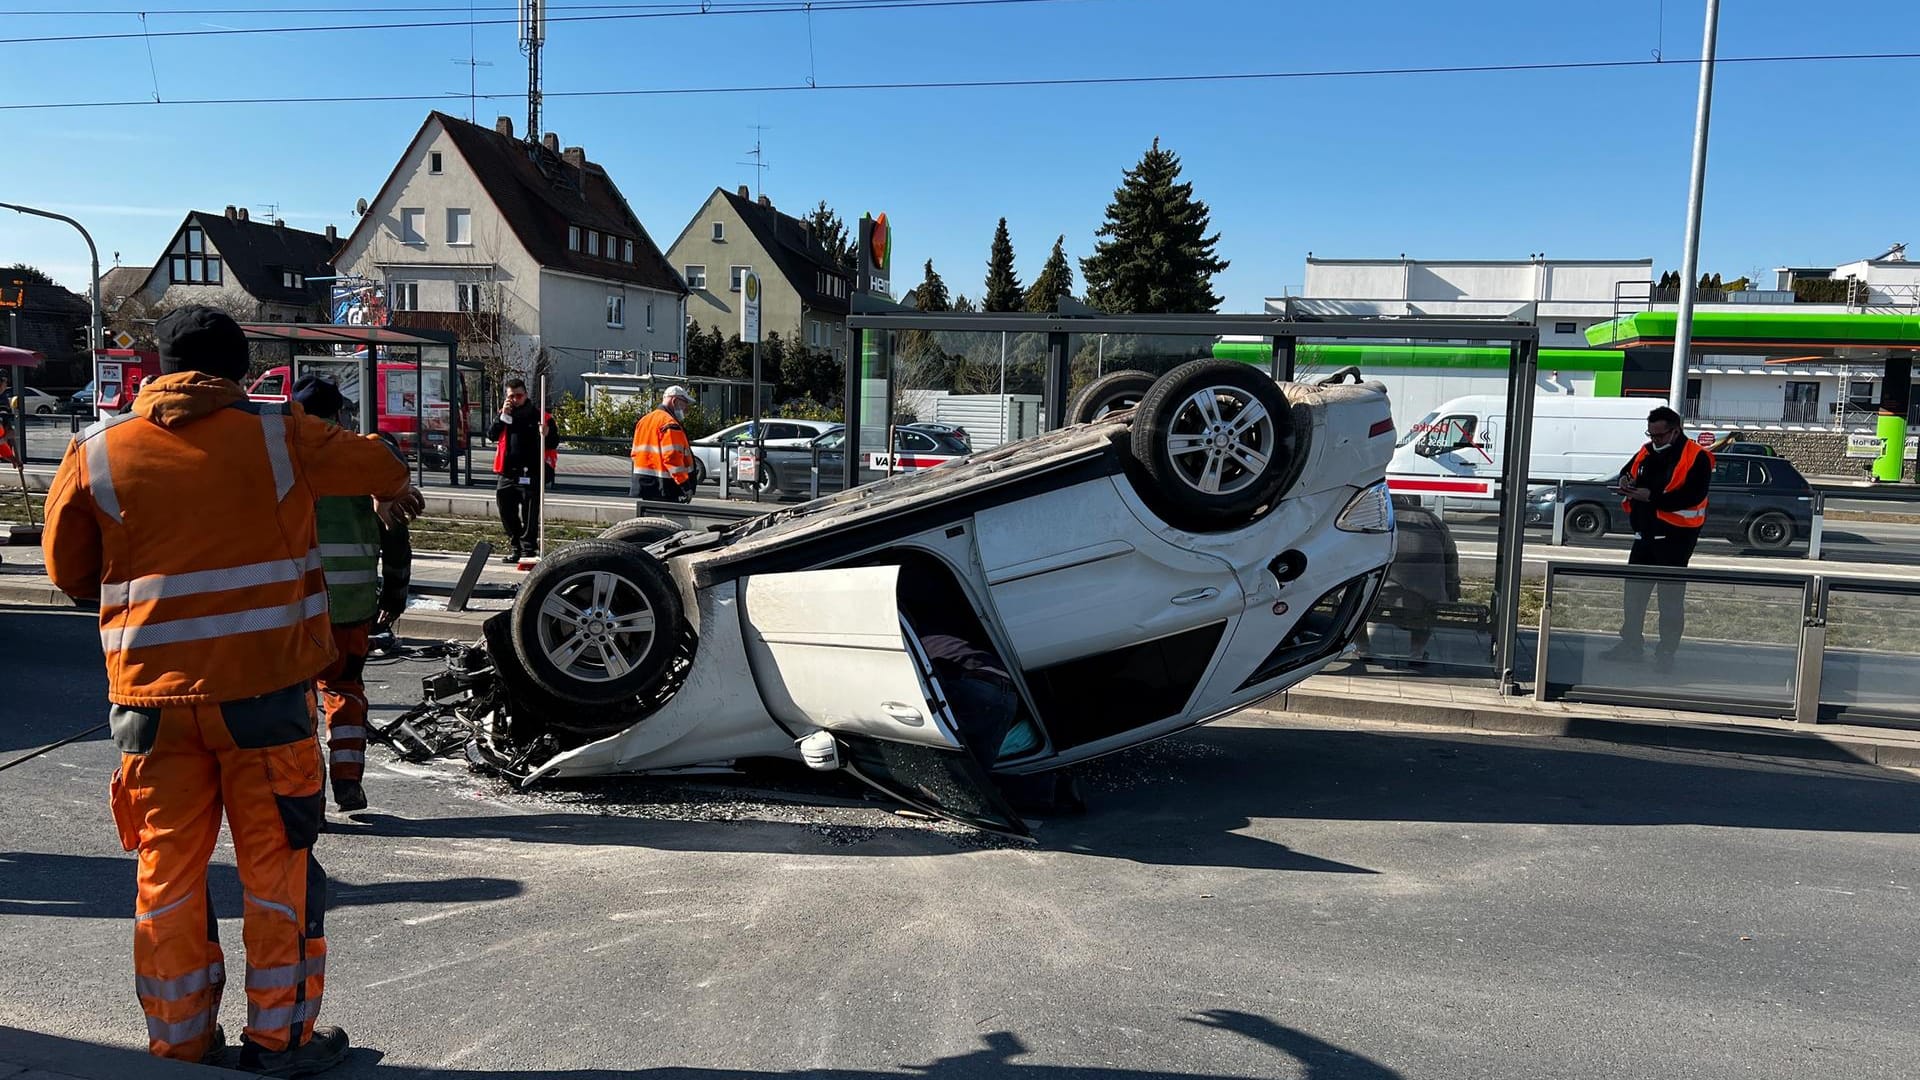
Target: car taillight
(1369,511)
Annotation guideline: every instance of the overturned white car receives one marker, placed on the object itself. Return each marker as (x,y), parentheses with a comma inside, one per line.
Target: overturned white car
(1192,545)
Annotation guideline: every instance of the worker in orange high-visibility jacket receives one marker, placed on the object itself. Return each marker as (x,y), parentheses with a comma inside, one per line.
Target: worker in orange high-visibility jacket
(191,519)
(662,458)
(1663,492)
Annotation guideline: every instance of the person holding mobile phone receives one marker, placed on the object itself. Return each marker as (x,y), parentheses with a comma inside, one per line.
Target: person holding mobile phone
(1664,493)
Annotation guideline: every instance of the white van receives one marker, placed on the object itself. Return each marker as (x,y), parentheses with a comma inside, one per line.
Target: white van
(1457,450)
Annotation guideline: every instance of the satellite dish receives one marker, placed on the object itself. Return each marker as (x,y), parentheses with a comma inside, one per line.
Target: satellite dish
(360,208)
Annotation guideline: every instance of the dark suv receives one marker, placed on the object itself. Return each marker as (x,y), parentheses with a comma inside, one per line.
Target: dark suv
(1756,502)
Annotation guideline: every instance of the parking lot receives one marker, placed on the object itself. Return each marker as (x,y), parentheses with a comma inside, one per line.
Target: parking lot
(1277,897)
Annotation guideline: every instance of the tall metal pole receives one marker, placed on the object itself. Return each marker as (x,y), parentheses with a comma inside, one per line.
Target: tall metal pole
(1690,258)
(93,342)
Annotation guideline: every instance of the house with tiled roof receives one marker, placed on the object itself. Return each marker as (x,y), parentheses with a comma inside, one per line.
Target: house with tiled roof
(255,270)
(803,290)
(526,250)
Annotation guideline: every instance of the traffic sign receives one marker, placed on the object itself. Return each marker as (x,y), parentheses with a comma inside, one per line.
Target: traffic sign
(750,308)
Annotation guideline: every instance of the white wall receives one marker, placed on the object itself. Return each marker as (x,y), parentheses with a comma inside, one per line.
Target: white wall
(573,324)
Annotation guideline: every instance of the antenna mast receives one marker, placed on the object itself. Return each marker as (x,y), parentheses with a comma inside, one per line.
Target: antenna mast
(533,34)
(759,163)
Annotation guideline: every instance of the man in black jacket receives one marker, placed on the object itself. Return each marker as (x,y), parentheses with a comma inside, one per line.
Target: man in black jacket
(519,452)
(1664,489)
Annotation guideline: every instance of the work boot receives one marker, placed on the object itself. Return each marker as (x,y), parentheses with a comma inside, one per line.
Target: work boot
(1622,653)
(327,1048)
(349,796)
(511,557)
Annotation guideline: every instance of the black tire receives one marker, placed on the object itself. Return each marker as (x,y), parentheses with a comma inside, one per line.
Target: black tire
(44,410)
(699,472)
(1586,521)
(574,602)
(1770,531)
(642,531)
(767,481)
(1110,393)
(537,710)
(1187,435)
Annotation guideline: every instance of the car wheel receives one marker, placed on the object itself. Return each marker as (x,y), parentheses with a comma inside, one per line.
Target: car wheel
(1771,531)
(536,709)
(699,472)
(767,481)
(1586,521)
(1110,393)
(44,410)
(643,530)
(596,622)
(1216,439)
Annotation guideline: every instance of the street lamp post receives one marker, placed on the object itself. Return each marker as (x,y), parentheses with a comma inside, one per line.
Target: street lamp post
(1690,256)
(94,340)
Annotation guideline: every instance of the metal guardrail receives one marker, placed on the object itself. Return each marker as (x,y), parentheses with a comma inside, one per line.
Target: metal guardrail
(1809,704)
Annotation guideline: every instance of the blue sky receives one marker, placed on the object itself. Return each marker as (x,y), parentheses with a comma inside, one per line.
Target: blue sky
(1810,163)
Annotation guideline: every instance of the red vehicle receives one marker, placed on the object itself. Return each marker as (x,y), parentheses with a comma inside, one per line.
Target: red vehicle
(399,408)
(117,375)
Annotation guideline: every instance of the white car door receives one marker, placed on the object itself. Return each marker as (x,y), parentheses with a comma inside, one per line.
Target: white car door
(828,649)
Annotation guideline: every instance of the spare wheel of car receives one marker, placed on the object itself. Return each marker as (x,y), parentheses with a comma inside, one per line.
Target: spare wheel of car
(1111,393)
(596,622)
(642,531)
(1215,437)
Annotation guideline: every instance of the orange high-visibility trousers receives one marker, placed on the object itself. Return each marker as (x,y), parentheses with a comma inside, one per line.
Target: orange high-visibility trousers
(179,767)
(343,697)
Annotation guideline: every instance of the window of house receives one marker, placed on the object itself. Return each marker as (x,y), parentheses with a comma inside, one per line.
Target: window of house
(1860,391)
(649,316)
(1802,404)
(573,238)
(434,162)
(813,332)
(404,295)
(293,279)
(626,251)
(737,277)
(1565,328)
(593,242)
(470,295)
(696,276)
(189,263)
(719,232)
(413,225)
(616,311)
(459,226)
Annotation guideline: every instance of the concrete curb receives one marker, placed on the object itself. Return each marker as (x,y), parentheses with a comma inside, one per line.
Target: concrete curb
(1731,737)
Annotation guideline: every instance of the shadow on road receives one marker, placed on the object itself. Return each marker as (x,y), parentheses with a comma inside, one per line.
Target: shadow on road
(101,887)
(1310,1059)
(52,680)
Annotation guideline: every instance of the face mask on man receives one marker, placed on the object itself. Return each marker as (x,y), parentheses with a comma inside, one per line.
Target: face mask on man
(678,407)
(1661,448)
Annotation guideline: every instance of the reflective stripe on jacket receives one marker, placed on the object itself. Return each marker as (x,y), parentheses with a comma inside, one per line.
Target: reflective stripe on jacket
(1692,517)
(192,520)
(350,556)
(660,448)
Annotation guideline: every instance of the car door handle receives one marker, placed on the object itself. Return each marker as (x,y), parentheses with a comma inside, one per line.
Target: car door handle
(1194,596)
(904,713)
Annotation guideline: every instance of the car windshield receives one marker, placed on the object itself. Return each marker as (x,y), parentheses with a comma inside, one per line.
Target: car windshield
(831,440)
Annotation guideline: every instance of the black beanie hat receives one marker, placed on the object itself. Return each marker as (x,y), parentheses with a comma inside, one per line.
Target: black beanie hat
(199,338)
(318,395)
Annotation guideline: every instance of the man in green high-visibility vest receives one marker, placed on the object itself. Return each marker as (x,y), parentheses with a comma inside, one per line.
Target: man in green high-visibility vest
(368,568)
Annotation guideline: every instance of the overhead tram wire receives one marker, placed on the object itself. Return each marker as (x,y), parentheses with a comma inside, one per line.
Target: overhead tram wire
(987,84)
(785,7)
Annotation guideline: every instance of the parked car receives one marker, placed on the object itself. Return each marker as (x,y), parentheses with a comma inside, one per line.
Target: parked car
(707,452)
(789,467)
(36,402)
(1755,501)
(958,434)
(80,401)
(1133,577)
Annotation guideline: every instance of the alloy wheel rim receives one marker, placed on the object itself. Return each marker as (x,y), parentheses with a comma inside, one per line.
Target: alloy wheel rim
(596,626)
(1221,440)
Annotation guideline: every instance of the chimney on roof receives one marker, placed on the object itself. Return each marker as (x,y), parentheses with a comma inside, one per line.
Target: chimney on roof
(279,224)
(504,126)
(229,213)
(766,202)
(743,192)
(551,141)
(575,156)
(333,235)
(243,214)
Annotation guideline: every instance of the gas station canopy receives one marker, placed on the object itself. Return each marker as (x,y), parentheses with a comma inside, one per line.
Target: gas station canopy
(1765,333)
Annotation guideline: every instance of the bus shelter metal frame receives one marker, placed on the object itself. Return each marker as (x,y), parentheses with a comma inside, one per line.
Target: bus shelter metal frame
(873,324)
(374,339)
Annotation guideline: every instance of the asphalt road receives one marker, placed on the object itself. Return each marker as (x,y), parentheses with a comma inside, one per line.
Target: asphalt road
(1840,541)
(1258,899)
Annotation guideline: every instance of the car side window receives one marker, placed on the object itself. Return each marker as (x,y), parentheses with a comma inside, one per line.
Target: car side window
(831,441)
(1757,474)
(1447,433)
(784,431)
(740,434)
(1729,472)
(915,442)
